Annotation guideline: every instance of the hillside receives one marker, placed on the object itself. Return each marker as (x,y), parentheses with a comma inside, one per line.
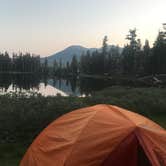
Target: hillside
(67,54)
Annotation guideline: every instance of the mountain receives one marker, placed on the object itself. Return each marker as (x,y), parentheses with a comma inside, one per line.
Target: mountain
(67,54)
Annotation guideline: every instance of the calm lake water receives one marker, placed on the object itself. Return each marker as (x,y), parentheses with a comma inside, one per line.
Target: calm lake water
(50,86)
(53,86)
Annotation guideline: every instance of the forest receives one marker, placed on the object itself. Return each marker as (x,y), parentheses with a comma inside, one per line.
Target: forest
(134,59)
(19,63)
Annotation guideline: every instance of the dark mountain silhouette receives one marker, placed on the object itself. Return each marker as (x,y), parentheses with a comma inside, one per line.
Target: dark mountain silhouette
(67,54)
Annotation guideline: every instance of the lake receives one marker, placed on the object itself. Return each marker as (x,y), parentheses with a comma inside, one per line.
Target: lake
(57,86)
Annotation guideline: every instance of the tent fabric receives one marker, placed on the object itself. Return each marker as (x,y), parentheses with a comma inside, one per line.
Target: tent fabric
(101,135)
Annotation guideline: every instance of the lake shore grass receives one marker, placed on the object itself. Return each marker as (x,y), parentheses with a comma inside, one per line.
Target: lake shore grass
(22,118)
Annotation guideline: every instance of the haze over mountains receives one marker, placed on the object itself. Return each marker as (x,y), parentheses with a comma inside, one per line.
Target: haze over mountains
(67,54)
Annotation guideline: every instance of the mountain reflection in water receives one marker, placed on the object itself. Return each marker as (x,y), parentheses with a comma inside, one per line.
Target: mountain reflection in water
(47,86)
(57,86)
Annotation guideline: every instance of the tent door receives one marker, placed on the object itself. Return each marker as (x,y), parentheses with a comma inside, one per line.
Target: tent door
(128,153)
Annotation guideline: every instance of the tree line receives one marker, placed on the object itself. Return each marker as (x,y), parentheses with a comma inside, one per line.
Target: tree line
(134,59)
(19,63)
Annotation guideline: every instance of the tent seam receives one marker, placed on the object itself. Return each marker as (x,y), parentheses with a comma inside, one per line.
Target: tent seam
(96,111)
(125,116)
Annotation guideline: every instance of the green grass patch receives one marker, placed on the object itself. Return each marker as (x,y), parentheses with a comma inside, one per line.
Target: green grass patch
(22,118)
(11,153)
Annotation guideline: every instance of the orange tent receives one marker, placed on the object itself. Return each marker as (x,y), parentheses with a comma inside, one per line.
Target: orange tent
(102,135)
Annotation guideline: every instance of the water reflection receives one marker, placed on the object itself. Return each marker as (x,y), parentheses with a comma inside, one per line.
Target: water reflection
(68,86)
(53,86)
(48,90)
(43,85)
(18,82)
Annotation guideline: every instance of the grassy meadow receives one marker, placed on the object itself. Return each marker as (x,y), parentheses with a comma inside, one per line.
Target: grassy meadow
(22,117)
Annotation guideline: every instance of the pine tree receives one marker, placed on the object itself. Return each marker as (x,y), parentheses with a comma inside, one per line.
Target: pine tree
(45,66)
(104,54)
(132,53)
(146,57)
(74,66)
(55,67)
(159,54)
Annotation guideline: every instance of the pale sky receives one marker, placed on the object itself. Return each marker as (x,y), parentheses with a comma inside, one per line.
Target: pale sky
(47,26)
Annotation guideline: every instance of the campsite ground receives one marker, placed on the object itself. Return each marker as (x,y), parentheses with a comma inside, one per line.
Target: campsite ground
(23,118)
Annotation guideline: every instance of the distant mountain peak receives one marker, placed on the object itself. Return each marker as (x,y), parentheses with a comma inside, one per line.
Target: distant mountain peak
(74,46)
(67,54)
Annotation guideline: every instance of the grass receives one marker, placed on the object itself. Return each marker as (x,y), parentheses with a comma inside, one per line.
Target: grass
(23,118)
(11,153)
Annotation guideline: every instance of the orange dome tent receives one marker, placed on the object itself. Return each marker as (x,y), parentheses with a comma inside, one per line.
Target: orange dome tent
(102,135)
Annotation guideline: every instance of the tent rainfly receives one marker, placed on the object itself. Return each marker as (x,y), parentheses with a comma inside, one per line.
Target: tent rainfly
(101,135)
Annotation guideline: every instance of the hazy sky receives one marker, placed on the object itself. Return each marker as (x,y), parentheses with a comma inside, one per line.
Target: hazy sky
(47,26)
